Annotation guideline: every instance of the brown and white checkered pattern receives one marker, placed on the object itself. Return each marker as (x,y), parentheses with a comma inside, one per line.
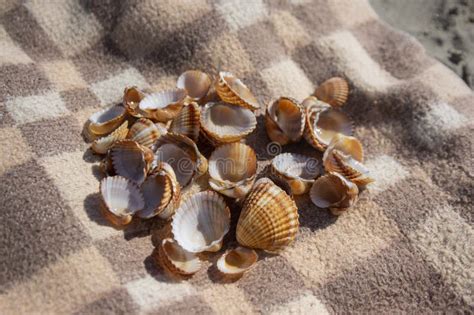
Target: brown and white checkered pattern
(406,247)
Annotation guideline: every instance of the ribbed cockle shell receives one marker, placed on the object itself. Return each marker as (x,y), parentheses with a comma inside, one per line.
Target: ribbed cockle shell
(297,170)
(102,145)
(176,259)
(333,91)
(195,82)
(285,120)
(106,120)
(187,122)
(232,90)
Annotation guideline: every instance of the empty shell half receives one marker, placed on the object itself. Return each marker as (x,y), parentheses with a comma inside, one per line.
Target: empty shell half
(297,170)
(201,222)
(102,145)
(106,120)
(132,97)
(176,259)
(232,90)
(144,132)
(195,82)
(284,120)
(163,106)
(235,262)
(121,198)
(333,91)
(131,160)
(225,123)
(269,218)
(187,122)
(335,192)
(232,169)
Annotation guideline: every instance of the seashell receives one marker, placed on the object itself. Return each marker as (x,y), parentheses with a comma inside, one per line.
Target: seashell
(144,132)
(102,145)
(284,120)
(106,120)
(323,123)
(121,198)
(163,106)
(131,160)
(333,91)
(235,262)
(335,192)
(232,169)
(187,122)
(177,260)
(232,90)
(183,155)
(269,218)
(195,82)
(297,170)
(132,97)
(225,123)
(201,222)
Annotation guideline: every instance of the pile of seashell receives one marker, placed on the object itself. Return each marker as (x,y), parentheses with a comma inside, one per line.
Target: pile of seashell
(150,143)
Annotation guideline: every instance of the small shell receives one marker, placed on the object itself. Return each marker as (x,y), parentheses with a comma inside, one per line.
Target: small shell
(106,120)
(177,260)
(102,145)
(232,169)
(323,123)
(195,82)
(201,222)
(284,120)
(187,122)
(333,91)
(235,262)
(144,132)
(234,91)
(163,106)
(335,192)
(225,123)
(298,171)
(131,160)
(183,155)
(131,100)
(121,198)
(269,218)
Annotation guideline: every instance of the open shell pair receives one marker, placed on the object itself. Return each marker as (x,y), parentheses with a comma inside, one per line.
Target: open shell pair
(285,120)
(297,170)
(333,91)
(131,160)
(269,218)
(232,169)
(196,83)
(232,90)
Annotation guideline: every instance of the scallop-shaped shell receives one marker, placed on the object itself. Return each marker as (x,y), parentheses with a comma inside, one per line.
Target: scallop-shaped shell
(183,155)
(232,169)
(323,123)
(333,91)
(121,198)
(232,90)
(346,145)
(195,82)
(335,192)
(188,122)
(225,123)
(106,120)
(163,106)
(297,170)
(131,160)
(102,145)
(201,222)
(176,259)
(144,132)
(269,218)
(284,120)
(131,100)
(235,262)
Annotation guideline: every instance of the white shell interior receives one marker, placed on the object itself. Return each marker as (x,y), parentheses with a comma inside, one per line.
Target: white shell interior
(180,258)
(330,122)
(296,165)
(162,99)
(107,114)
(237,260)
(329,190)
(232,162)
(180,161)
(153,189)
(121,196)
(227,120)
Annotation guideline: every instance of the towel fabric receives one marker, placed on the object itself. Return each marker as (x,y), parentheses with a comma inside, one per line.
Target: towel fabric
(406,247)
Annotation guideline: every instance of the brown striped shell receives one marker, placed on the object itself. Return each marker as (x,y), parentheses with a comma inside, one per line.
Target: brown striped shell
(131,160)
(232,90)
(333,91)
(285,120)
(195,82)
(187,122)
(144,132)
(102,145)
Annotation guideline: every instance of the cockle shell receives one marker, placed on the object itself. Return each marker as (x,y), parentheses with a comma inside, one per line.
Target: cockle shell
(335,192)
(232,169)
(131,100)
(187,122)
(102,145)
(121,198)
(163,106)
(284,120)
(176,259)
(225,123)
(183,155)
(297,170)
(195,82)
(144,132)
(333,91)
(232,90)
(235,262)
(269,218)
(201,222)
(323,123)
(106,120)
(131,160)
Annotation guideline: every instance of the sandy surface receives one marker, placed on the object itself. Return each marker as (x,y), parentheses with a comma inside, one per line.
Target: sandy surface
(444,27)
